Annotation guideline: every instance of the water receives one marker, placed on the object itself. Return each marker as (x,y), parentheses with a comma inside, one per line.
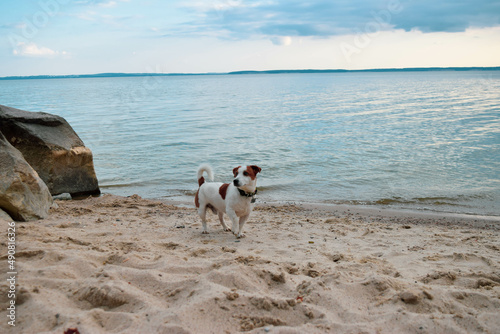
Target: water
(427,141)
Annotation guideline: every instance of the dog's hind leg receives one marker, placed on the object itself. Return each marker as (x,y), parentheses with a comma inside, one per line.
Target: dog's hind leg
(221,219)
(202,212)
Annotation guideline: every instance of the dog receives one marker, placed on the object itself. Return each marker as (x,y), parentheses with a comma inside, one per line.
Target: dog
(236,199)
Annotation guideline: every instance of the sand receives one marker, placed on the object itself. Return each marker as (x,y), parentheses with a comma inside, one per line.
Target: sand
(130,265)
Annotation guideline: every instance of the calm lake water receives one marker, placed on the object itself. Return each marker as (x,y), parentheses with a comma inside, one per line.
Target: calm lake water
(414,140)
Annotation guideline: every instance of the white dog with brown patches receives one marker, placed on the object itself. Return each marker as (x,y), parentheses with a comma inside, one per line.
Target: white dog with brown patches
(235,198)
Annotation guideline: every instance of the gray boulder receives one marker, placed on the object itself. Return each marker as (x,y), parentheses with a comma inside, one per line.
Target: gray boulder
(51,146)
(4,216)
(23,195)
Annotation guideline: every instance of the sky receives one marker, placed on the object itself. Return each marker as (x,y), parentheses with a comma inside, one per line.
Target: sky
(59,37)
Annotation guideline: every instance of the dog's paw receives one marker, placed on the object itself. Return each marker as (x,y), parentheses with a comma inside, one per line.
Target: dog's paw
(204,232)
(227,229)
(240,235)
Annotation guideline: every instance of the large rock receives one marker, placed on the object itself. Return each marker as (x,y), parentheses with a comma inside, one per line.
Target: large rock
(23,195)
(51,146)
(4,216)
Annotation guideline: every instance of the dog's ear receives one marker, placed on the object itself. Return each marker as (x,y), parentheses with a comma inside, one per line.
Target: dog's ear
(235,171)
(256,169)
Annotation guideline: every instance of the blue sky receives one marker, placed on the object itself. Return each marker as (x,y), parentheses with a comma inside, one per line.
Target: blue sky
(95,36)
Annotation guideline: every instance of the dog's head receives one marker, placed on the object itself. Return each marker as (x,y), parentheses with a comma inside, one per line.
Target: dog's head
(246,177)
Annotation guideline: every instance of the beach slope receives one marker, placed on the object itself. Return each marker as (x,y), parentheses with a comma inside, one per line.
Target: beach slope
(129,265)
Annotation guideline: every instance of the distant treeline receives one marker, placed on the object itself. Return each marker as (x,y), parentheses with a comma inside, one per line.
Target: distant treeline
(111,75)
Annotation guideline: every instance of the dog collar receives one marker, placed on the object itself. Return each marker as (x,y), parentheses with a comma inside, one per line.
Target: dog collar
(245,194)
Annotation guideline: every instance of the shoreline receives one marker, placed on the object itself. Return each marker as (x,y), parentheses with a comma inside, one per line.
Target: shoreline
(127,264)
(371,208)
(366,211)
(402,213)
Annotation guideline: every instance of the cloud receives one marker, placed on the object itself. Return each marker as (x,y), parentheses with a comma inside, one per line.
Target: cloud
(100,3)
(33,50)
(101,11)
(9,26)
(325,18)
(105,19)
(109,4)
(281,40)
(447,16)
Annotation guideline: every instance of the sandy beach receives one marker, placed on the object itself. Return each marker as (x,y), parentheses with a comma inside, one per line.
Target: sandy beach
(128,265)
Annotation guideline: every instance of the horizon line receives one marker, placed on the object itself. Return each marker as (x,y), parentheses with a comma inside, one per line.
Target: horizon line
(243,72)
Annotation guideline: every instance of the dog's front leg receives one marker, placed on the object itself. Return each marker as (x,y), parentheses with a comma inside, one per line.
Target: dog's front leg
(234,218)
(242,222)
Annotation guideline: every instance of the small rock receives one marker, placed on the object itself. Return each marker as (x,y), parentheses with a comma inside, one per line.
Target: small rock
(409,297)
(231,295)
(280,278)
(313,273)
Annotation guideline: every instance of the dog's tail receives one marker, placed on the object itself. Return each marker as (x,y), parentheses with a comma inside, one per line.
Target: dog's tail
(210,173)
